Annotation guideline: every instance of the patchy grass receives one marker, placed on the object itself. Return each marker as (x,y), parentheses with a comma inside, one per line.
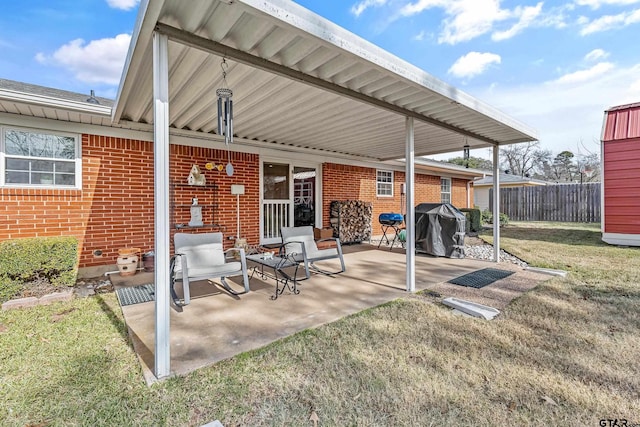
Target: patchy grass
(563,354)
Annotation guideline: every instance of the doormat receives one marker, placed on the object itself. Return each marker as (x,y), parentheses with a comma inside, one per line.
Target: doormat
(481,278)
(136,294)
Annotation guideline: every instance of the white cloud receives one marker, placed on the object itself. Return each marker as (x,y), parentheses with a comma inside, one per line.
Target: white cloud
(527,17)
(473,63)
(565,114)
(608,22)
(123,4)
(419,36)
(595,55)
(596,4)
(360,7)
(585,75)
(99,61)
(468,19)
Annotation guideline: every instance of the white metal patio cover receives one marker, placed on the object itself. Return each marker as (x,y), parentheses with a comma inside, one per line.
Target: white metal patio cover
(300,83)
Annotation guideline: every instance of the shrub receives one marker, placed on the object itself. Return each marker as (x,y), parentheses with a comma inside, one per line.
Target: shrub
(473,216)
(487,218)
(8,288)
(54,259)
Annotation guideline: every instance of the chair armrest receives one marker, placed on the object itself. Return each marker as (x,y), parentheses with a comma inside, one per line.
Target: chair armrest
(184,266)
(328,239)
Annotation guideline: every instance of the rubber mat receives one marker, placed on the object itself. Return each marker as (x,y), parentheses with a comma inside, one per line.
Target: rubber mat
(481,278)
(136,294)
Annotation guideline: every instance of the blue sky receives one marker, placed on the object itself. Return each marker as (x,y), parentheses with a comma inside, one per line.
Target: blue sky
(554,65)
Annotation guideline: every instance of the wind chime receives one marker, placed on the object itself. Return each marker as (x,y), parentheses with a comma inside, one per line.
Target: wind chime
(225,114)
(465,153)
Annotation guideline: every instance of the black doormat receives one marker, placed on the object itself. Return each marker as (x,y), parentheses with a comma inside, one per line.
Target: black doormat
(481,278)
(136,294)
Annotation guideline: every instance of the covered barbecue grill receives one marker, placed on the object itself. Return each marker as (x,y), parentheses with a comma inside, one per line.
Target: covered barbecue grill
(440,230)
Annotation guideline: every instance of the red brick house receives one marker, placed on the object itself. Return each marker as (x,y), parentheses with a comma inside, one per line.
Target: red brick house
(102,191)
(309,98)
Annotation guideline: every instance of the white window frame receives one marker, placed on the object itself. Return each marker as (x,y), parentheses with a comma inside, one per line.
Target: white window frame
(77,161)
(385,183)
(444,179)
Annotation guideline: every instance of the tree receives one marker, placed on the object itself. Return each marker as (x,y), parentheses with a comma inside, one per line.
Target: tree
(474,162)
(564,168)
(524,159)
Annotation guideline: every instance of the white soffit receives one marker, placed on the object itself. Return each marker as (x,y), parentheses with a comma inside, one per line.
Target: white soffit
(299,80)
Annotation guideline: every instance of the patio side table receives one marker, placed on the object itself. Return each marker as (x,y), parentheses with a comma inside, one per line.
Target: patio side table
(278,264)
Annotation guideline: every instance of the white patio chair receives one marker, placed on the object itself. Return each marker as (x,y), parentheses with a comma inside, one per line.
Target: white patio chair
(300,242)
(202,256)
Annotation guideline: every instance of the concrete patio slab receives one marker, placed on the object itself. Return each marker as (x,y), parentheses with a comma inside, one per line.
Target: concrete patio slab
(217,325)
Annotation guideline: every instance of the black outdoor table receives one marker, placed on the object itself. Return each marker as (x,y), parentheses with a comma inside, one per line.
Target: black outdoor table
(278,264)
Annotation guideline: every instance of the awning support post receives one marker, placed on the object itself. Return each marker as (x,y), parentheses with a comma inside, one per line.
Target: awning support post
(496,204)
(162,366)
(410,222)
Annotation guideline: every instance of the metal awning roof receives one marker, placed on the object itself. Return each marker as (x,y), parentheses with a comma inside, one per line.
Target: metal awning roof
(299,81)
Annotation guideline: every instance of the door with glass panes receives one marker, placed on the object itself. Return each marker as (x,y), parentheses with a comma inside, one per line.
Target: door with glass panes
(289,198)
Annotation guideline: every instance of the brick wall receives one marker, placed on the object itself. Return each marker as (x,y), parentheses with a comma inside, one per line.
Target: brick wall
(115,207)
(246,172)
(345,182)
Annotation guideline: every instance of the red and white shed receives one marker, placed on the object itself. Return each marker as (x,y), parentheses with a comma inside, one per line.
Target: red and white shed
(621,175)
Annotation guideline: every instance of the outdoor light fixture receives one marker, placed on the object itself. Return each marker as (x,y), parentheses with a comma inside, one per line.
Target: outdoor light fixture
(225,114)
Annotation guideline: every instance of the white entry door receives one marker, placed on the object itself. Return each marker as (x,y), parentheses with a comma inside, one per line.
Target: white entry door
(289,198)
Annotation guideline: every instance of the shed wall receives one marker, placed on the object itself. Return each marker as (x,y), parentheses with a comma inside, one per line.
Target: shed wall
(621,176)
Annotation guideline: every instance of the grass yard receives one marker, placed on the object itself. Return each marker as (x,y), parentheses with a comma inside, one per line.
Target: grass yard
(566,353)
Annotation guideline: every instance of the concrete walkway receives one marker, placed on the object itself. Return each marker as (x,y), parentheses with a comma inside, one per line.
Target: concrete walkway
(217,325)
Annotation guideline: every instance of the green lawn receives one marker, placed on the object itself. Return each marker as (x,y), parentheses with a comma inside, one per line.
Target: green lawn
(565,354)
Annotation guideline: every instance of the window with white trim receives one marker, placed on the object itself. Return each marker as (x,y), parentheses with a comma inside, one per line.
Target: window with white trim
(384,183)
(445,190)
(39,158)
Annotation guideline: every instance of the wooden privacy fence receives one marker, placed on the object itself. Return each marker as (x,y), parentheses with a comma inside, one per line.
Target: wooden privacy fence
(557,202)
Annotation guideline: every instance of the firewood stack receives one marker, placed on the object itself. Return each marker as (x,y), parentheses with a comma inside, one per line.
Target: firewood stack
(351,220)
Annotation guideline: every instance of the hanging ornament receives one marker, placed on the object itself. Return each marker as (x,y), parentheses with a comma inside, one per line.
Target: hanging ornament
(225,114)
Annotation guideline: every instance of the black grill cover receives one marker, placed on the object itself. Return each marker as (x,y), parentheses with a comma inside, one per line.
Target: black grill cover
(440,230)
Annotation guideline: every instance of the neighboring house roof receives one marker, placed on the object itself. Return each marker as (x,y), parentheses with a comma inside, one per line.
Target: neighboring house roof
(298,81)
(44,102)
(47,92)
(508,180)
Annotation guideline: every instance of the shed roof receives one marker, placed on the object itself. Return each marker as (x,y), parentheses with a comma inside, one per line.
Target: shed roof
(621,122)
(299,81)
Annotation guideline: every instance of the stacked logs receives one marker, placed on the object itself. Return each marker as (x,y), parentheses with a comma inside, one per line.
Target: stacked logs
(351,220)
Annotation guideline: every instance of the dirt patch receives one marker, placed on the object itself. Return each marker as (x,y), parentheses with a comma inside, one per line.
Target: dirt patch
(40,287)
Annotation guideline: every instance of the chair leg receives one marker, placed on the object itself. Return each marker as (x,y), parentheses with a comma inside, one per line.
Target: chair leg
(306,268)
(228,288)
(245,276)
(172,282)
